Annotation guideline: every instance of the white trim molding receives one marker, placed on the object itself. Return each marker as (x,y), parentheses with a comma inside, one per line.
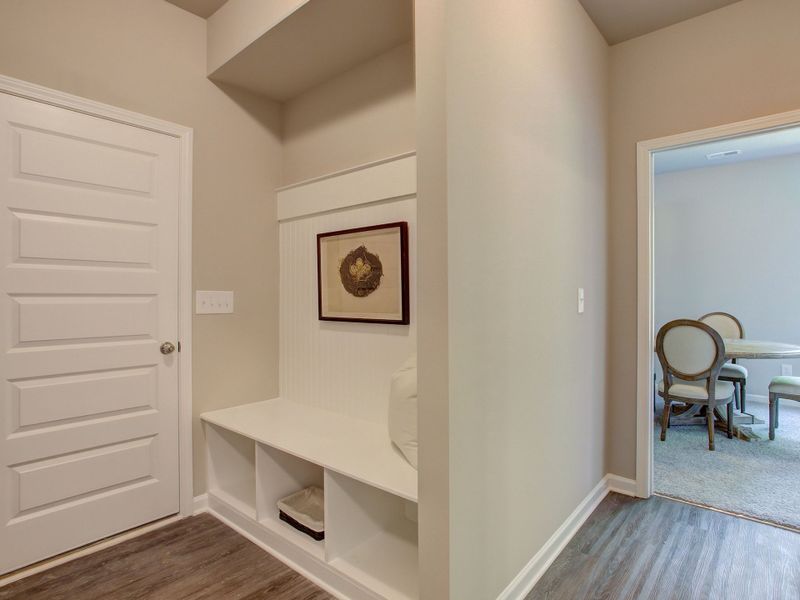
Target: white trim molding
(532,572)
(645,335)
(200,504)
(388,179)
(621,485)
(23,89)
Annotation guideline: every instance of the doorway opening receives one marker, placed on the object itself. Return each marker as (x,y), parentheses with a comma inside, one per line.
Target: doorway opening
(717,212)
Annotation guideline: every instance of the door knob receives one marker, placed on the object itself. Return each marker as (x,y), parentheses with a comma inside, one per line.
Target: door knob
(167,348)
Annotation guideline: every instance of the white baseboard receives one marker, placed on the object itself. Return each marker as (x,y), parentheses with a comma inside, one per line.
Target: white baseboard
(523,583)
(200,504)
(621,485)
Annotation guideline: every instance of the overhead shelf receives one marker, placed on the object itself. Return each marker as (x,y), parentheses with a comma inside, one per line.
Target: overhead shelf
(281,55)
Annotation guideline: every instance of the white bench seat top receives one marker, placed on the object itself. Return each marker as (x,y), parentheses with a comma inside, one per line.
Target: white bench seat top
(355,448)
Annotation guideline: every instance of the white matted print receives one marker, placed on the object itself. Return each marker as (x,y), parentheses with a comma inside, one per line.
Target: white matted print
(362,274)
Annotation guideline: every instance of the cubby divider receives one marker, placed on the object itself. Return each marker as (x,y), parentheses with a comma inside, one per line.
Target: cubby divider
(279,474)
(231,469)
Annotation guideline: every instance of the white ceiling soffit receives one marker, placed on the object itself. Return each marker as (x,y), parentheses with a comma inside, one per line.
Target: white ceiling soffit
(779,142)
(318,41)
(620,20)
(202,8)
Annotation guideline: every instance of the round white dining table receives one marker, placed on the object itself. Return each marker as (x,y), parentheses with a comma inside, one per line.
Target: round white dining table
(759,349)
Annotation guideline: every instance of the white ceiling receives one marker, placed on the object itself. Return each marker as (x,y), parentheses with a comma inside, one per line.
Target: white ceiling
(202,8)
(779,142)
(620,20)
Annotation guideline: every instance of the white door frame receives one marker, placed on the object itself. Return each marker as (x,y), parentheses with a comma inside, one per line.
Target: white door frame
(645,302)
(45,95)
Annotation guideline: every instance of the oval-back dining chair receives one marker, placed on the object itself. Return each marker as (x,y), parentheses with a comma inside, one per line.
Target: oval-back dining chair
(730,328)
(691,355)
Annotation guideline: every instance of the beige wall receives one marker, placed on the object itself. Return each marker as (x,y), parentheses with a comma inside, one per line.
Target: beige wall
(149,56)
(362,115)
(733,64)
(432,305)
(525,154)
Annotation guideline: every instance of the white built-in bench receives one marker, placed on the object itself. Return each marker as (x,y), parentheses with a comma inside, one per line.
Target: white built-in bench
(260,452)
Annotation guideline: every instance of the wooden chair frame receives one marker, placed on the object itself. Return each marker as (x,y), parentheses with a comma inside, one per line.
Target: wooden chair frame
(740,384)
(774,410)
(710,375)
(720,313)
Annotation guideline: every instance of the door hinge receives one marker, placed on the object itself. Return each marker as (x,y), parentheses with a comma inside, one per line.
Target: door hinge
(179,346)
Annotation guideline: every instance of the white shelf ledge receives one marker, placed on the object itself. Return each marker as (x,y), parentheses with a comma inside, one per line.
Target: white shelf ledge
(357,449)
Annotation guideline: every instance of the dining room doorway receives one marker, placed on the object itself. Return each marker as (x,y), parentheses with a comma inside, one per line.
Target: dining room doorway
(718,209)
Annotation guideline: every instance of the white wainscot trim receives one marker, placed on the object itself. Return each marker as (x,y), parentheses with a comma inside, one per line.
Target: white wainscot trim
(523,583)
(379,181)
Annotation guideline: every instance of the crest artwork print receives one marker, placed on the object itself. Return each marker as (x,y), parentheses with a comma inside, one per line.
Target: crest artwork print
(362,274)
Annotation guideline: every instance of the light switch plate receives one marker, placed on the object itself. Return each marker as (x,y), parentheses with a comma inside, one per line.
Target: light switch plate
(786,370)
(213,302)
(581,301)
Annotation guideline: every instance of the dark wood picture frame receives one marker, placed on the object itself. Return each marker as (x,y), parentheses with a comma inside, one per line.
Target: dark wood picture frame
(404,273)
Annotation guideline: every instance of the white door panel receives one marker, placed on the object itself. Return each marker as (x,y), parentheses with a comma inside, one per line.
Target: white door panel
(88,292)
(44,482)
(47,400)
(85,162)
(32,444)
(54,319)
(42,238)
(100,203)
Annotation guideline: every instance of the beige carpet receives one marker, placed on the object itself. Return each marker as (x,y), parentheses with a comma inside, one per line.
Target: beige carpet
(760,479)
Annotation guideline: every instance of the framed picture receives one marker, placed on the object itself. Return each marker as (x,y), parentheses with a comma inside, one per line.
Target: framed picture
(362,274)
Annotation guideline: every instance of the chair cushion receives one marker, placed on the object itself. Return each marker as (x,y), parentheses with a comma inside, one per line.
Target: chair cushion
(696,390)
(733,371)
(785,385)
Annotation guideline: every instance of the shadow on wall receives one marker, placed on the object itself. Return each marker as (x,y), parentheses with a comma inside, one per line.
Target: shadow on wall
(252,104)
(376,82)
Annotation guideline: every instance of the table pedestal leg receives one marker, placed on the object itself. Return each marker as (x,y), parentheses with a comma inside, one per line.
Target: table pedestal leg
(695,414)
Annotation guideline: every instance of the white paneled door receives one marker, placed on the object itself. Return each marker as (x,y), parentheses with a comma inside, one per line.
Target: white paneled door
(88,295)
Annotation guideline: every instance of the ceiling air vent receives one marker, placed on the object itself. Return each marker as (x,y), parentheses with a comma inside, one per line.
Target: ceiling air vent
(725,154)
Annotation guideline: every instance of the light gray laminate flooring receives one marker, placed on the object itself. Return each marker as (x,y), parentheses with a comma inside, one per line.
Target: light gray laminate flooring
(195,558)
(628,548)
(660,548)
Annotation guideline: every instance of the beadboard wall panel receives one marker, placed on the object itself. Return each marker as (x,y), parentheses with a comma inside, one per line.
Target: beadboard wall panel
(343,367)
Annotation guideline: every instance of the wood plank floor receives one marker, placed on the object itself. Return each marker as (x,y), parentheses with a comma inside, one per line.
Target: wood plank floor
(663,549)
(197,558)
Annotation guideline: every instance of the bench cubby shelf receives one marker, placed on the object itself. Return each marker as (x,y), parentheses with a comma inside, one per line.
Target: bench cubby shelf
(260,452)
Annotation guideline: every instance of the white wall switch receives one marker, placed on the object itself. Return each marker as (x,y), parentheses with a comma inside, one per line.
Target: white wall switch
(207,303)
(786,370)
(581,301)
